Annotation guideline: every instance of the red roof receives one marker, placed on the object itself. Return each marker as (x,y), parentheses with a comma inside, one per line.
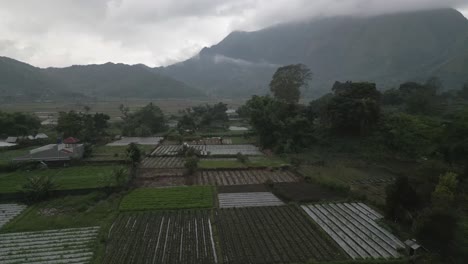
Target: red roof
(71,140)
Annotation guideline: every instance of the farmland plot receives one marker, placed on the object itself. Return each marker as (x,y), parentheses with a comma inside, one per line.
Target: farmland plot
(74,245)
(162,237)
(162,162)
(9,211)
(212,141)
(242,177)
(173,150)
(353,227)
(137,140)
(279,234)
(249,150)
(249,199)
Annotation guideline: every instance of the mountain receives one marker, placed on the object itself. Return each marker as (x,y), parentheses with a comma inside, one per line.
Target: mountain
(386,49)
(22,82)
(121,80)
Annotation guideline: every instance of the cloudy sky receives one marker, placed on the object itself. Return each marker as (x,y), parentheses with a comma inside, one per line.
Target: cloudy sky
(157,32)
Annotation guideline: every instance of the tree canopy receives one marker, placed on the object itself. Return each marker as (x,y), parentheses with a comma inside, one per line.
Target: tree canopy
(146,121)
(18,124)
(85,126)
(287,81)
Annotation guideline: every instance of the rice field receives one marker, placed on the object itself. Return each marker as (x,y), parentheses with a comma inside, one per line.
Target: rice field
(242,177)
(353,226)
(9,211)
(249,199)
(162,237)
(74,245)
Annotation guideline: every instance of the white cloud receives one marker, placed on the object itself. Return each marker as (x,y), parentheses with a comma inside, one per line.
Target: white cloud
(156,32)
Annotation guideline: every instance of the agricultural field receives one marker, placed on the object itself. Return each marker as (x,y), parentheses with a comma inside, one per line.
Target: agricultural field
(74,245)
(232,150)
(242,177)
(143,141)
(369,182)
(9,211)
(278,234)
(305,192)
(168,198)
(162,237)
(82,177)
(211,141)
(160,178)
(252,162)
(248,199)
(353,227)
(162,162)
(171,150)
(116,152)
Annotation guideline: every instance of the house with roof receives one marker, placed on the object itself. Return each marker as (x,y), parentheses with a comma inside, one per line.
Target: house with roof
(67,150)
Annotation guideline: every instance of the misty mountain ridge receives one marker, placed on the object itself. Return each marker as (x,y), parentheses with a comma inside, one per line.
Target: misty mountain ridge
(23,82)
(386,49)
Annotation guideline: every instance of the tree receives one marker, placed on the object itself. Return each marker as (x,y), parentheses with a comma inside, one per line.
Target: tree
(38,188)
(191,164)
(203,116)
(87,127)
(145,122)
(134,154)
(18,124)
(354,108)
(401,201)
(445,191)
(420,98)
(287,81)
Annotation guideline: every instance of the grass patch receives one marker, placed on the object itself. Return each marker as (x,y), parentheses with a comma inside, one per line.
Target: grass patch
(7,155)
(82,177)
(232,163)
(168,198)
(94,209)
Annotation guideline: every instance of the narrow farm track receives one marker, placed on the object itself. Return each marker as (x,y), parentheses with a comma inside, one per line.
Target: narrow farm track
(162,237)
(74,245)
(353,227)
(9,211)
(250,199)
(279,234)
(243,177)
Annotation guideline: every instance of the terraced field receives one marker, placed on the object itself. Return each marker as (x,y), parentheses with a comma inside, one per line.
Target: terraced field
(278,234)
(162,162)
(353,227)
(162,237)
(249,199)
(172,150)
(242,177)
(74,245)
(9,211)
(137,140)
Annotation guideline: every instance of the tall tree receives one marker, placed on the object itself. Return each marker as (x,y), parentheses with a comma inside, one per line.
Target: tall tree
(287,81)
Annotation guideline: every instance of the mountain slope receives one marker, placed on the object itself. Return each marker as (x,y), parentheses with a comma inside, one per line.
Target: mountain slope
(22,81)
(387,49)
(121,80)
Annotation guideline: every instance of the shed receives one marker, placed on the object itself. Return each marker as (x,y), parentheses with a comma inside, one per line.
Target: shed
(11,140)
(41,136)
(413,247)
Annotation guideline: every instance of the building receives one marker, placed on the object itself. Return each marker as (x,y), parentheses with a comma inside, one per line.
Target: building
(68,150)
(11,140)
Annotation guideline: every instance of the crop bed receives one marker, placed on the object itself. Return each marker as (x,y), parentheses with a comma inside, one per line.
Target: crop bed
(211,141)
(173,150)
(241,177)
(74,245)
(249,199)
(9,211)
(162,237)
(279,234)
(168,198)
(162,162)
(353,227)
